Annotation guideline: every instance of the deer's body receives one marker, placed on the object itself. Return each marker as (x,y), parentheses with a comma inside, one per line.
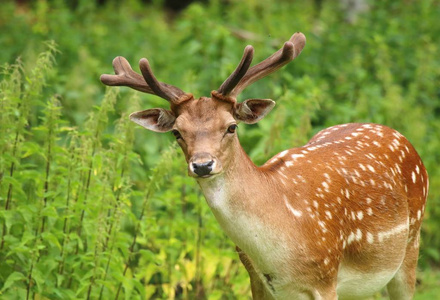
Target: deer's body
(338,217)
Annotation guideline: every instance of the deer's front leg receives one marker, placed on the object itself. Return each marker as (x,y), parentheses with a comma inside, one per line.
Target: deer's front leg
(259,290)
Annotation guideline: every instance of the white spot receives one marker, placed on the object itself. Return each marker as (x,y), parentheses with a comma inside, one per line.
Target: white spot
(397,134)
(325,185)
(353,215)
(371,168)
(322,224)
(419,214)
(348,152)
(398,168)
(358,234)
(360,215)
(295,156)
(282,154)
(362,167)
(371,156)
(369,211)
(326,261)
(281,172)
(413,176)
(402,153)
(417,169)
(370,238)
(329,214)
(301,178)
(289,163)
(393,231)
(320,195)
(351,238)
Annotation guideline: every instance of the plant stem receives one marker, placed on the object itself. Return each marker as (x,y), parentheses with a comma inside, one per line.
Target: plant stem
(28,289)
(46,180)
(9,198)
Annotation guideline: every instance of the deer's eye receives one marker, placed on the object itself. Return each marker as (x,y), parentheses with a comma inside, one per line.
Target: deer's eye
(176,134)
(232,128)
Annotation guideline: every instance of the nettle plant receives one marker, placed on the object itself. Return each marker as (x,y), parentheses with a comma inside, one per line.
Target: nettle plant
(338,217)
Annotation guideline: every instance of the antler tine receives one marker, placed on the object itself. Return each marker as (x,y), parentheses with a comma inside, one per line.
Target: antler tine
(286,54)
(125,76)
(229,84)
(166,91)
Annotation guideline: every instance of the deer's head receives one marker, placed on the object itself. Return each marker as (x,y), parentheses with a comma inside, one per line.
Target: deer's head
(205,127)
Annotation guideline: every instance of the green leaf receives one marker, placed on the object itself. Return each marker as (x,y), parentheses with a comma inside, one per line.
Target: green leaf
(13,278)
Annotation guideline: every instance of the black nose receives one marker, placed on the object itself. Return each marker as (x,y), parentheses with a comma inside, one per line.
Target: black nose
(203,168)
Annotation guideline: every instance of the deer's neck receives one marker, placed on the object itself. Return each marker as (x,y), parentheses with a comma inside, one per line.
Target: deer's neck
(242,195)
(236,186)
(246,200)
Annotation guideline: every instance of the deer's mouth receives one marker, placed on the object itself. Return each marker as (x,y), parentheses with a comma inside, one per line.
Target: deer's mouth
(203,176)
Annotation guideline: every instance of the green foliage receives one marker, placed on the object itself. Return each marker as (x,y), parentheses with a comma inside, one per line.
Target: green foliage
(93,207)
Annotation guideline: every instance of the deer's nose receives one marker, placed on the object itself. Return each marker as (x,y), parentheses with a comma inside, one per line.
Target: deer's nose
(202,164)
(203,168)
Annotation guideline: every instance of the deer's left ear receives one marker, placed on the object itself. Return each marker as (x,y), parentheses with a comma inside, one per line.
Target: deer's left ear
(155,119)
(253,110)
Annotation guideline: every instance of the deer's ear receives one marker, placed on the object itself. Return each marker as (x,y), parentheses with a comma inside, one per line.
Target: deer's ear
(155,119)
(253,110)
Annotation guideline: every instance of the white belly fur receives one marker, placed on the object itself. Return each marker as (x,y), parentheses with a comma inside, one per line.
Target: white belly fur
(353,284)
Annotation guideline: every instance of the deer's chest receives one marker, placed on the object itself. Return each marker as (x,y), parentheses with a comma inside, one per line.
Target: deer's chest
(262,243)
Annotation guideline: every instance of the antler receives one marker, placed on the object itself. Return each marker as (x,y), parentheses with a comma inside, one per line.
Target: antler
(229,84)
(147,83)
(291,49)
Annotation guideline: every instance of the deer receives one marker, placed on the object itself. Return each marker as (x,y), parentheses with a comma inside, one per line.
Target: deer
(338,218)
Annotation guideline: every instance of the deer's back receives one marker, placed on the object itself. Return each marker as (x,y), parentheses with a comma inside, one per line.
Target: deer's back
(358,191)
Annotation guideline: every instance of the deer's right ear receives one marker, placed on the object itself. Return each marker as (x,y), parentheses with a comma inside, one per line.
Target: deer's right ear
(155,119)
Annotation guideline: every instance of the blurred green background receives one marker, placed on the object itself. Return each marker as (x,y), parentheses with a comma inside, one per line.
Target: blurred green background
(93,207)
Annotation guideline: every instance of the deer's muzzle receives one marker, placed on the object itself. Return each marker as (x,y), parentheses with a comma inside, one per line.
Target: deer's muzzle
(202,165)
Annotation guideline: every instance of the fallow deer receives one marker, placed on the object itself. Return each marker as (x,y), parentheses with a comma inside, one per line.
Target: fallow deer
(337,218)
